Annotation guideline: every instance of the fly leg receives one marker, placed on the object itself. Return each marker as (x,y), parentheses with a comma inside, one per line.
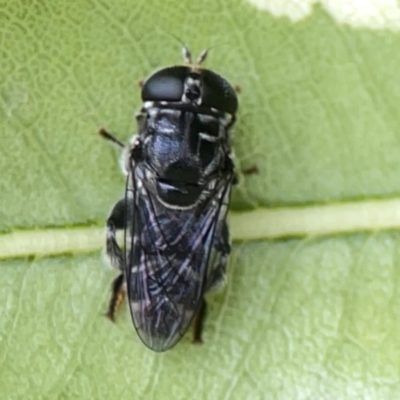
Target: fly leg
(215,280)
(116,221)
(118,293)
(198,323)
(222,247)
(109,136)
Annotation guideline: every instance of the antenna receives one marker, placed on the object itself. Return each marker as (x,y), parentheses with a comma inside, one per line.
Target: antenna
(202,56)
(187,54)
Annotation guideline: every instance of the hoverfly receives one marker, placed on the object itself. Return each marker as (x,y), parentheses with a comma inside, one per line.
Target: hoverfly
(179,177)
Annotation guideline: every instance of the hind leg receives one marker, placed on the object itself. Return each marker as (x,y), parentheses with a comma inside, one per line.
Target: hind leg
(198,323)
(116,221)
(215,281)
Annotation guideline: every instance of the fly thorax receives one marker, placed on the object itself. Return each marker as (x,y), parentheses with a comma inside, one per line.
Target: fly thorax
(179,185)
(171,135)
(183,148)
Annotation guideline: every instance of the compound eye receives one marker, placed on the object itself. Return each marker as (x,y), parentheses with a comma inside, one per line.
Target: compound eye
(218,93)
(165,85)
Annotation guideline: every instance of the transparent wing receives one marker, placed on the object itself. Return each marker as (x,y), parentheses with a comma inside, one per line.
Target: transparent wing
(167,261)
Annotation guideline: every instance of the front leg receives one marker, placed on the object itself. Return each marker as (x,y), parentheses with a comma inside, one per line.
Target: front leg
(132,153)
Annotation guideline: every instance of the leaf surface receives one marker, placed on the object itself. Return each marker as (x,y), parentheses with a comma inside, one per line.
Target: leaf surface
(300,318)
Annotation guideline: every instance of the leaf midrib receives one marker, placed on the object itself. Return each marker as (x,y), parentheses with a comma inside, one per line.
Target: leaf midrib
(259,224)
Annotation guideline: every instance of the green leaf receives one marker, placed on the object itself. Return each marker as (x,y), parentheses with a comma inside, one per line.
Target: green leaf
(304,317)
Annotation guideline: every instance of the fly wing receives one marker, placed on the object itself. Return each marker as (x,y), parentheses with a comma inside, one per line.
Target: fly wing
(167,261)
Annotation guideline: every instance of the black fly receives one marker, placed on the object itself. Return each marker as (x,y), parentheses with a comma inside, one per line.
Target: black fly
(179,178)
